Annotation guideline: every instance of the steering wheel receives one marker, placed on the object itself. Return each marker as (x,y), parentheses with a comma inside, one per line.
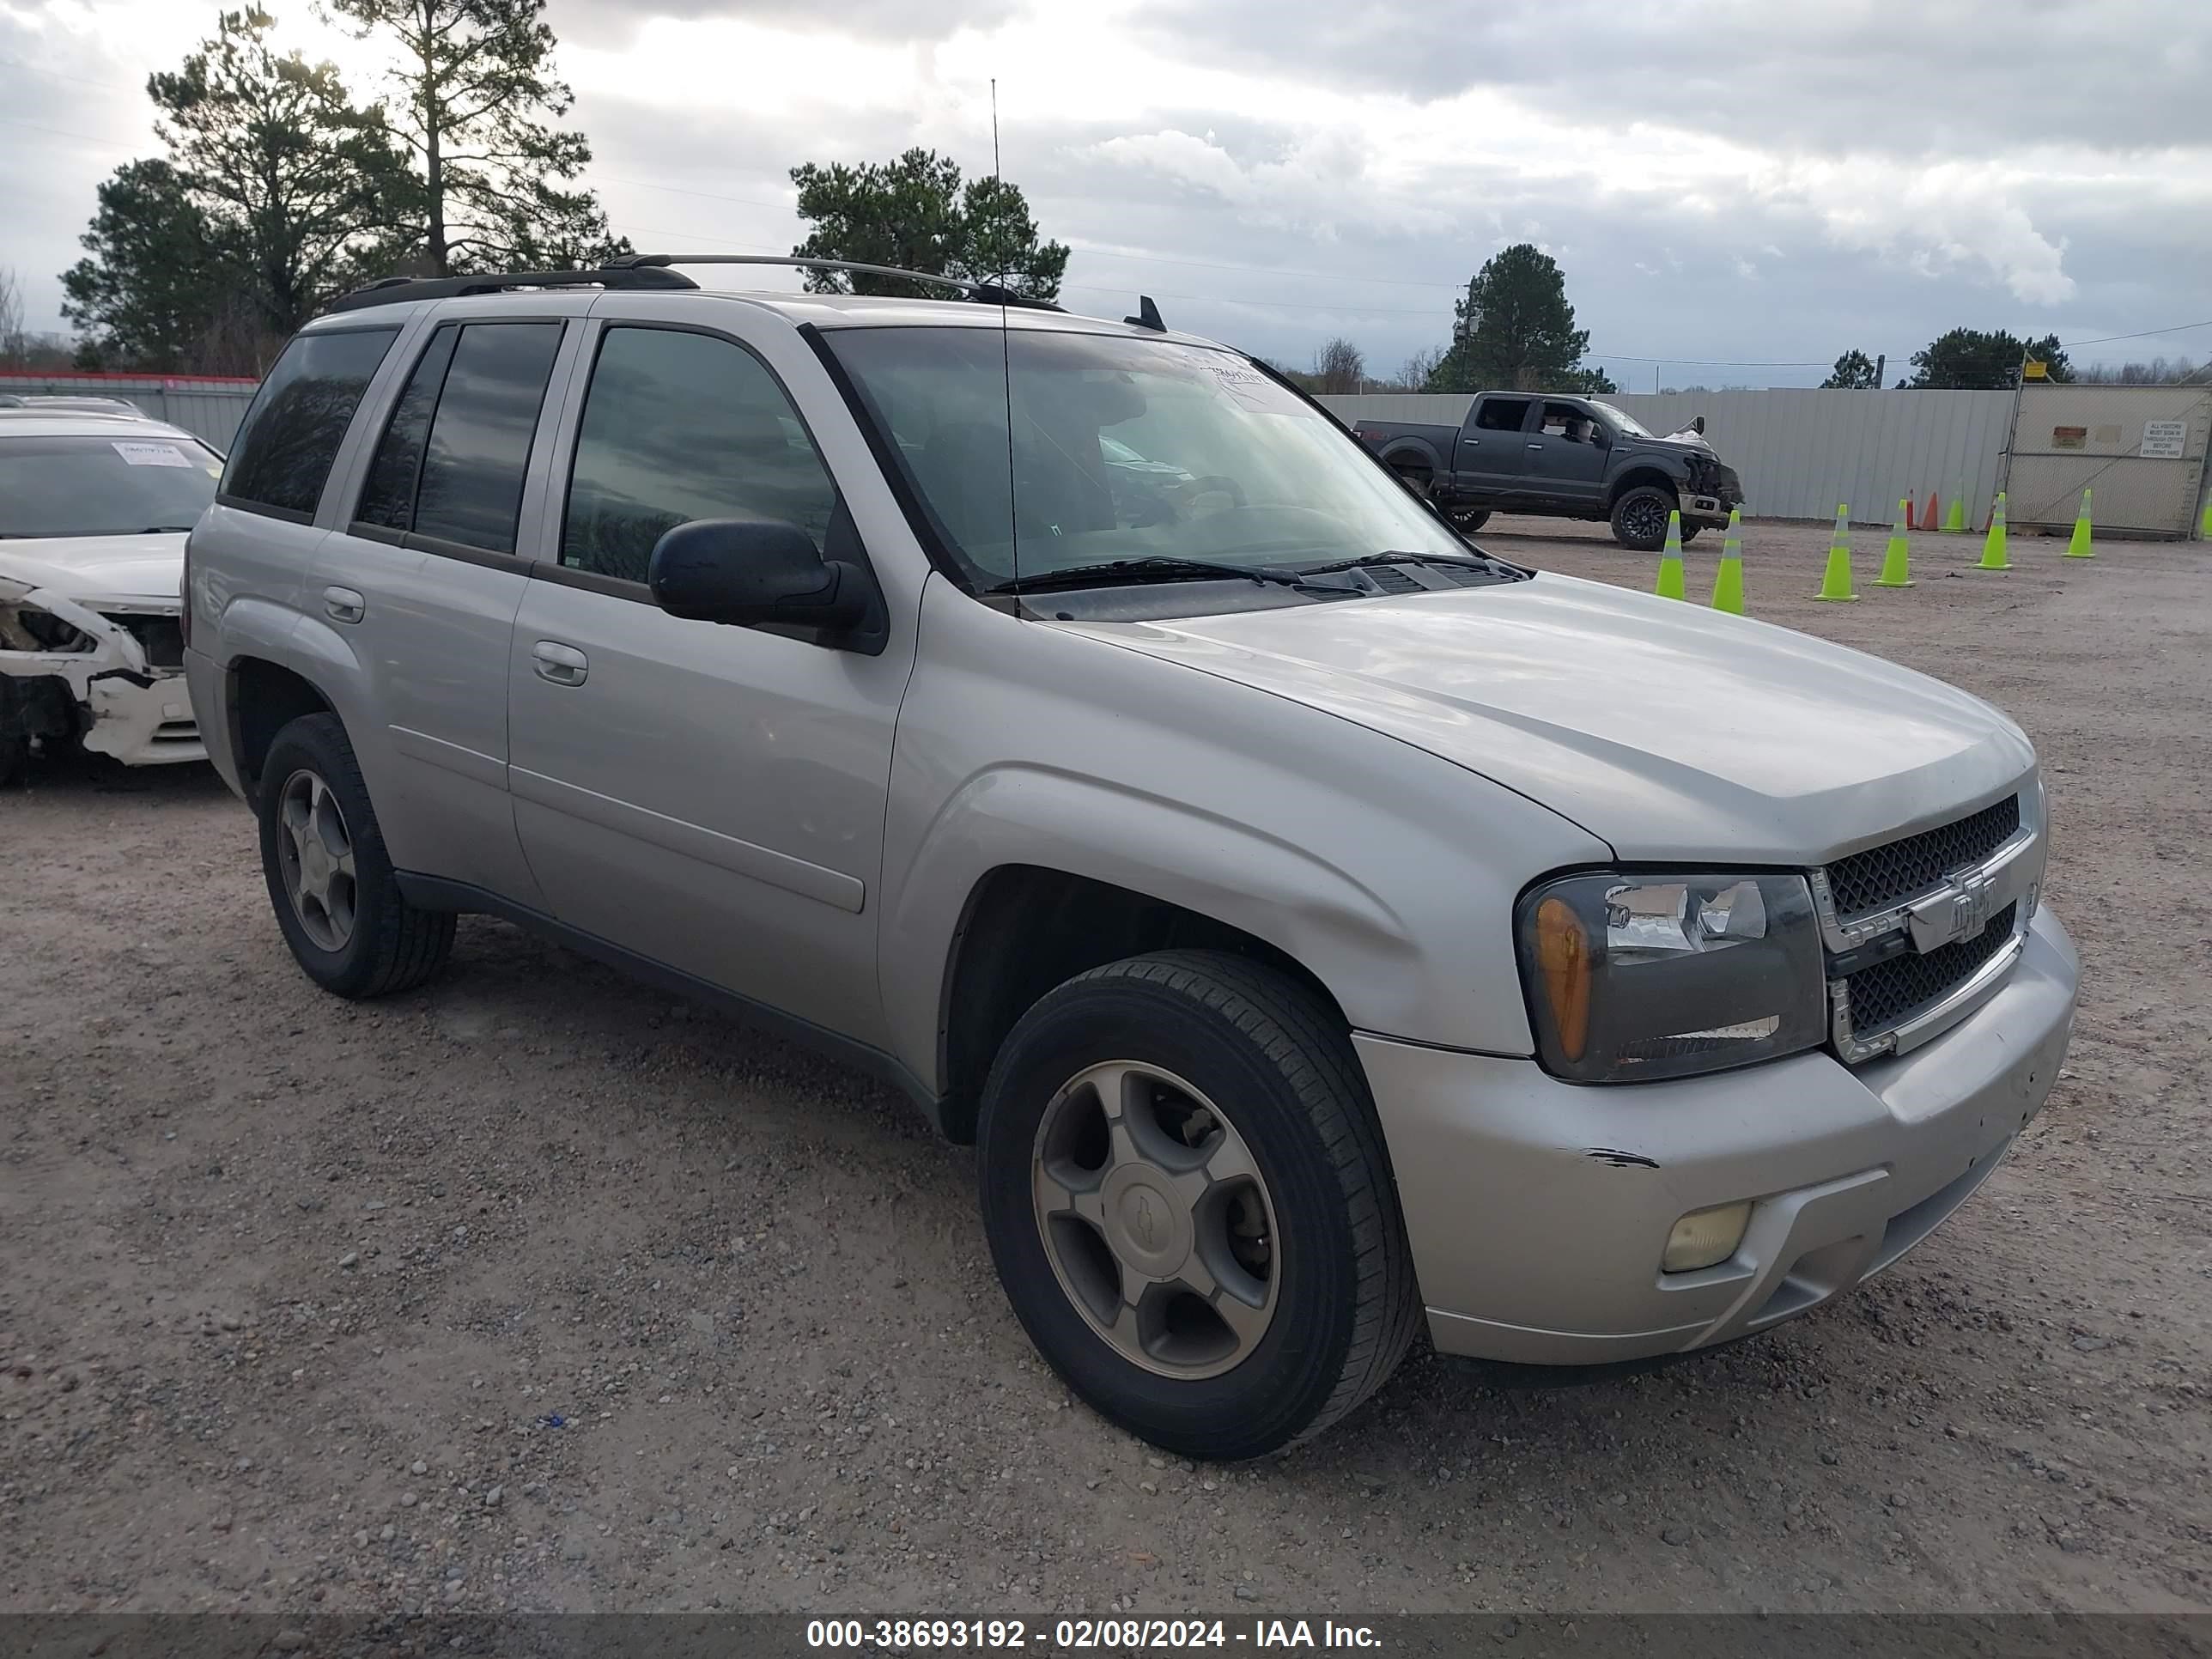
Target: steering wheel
(1213,483)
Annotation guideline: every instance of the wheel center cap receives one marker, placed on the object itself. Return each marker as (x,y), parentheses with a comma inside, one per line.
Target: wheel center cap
(315,862)
(1147,1224)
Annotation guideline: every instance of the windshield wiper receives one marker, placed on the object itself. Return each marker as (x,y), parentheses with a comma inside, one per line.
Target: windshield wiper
(1132,571)
(1366,562)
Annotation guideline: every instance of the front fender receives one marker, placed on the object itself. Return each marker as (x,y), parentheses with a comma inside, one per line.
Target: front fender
(1387,872)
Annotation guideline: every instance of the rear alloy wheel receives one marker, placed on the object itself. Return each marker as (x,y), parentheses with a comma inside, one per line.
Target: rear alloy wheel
(1187,1199)
(1640,518)
(330,882)
(1469,518)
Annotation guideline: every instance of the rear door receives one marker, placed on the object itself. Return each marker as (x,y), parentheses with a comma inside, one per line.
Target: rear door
(711,798)
(423,581)
(1566,463)
(1489,457)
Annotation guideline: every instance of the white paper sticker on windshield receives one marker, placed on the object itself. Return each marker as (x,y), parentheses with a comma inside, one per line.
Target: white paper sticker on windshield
(152,455)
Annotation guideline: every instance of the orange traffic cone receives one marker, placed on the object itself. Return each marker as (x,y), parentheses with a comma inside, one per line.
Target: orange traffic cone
(1929,516)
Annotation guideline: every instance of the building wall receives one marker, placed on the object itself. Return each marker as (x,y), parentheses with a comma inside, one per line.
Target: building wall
(1802,453)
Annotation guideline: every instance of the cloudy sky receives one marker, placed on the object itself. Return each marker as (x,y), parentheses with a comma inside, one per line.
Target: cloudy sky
(1734,188)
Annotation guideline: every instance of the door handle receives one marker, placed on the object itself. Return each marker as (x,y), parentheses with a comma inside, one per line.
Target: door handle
(343,605)
(1534,446)
(558,664)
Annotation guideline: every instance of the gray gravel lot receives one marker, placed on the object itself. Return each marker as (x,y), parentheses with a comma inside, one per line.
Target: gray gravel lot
(535,1289)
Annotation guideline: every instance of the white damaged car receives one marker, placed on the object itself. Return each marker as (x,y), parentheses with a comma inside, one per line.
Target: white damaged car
(93,512)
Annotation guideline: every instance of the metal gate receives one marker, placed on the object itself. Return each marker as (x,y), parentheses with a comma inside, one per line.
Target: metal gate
(2141,449)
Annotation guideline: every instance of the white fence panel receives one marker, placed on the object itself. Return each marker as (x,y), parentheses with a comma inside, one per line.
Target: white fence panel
(205,406)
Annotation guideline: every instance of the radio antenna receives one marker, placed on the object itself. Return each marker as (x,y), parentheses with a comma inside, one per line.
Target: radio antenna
(994,130)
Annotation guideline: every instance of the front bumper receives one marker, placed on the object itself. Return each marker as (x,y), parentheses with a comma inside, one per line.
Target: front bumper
(1703,509)
(136,711)
(1538,1209)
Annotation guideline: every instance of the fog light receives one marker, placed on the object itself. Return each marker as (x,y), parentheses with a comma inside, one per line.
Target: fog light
(1704,1238)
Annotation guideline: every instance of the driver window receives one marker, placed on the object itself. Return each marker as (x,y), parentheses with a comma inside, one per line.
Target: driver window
(677,426)
(1569,423)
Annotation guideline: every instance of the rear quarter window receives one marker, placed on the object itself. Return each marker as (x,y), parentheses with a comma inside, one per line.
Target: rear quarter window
(291,435)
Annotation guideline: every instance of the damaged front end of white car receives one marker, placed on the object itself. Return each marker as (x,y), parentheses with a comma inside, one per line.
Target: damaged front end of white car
(110,680)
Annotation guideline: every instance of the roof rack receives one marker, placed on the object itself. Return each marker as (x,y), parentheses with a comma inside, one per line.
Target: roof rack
(650,270)
(989,294)
(397,290)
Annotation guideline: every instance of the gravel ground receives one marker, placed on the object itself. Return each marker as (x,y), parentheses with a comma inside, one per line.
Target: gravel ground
(535,1289)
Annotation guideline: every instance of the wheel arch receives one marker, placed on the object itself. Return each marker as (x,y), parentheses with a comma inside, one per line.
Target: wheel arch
(1026,929)
(1636,477)
(264,698)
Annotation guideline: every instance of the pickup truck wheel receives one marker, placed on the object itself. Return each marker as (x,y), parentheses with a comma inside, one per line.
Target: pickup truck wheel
(1470,517)
(1187,1195)
(329,880)
(1415,478)
(1640,518)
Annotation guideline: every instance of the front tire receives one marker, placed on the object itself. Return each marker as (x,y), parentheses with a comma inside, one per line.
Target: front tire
(1640,518)
(1187,1198)
(330,879)
(1470,519)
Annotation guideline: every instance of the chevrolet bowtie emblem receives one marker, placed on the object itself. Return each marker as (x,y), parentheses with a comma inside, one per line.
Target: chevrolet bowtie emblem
(1960,912)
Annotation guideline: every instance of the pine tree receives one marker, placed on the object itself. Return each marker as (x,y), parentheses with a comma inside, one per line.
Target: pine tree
(1514,328)
(475,100)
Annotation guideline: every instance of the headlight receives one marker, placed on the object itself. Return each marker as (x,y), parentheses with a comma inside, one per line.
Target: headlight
(1636,976)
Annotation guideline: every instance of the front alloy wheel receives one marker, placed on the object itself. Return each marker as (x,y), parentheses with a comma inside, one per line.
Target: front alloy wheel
(1186,1196)
(1156,1220)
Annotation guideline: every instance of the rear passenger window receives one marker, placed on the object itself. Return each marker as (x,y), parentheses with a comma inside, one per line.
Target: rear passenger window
(1503,414)
(471,486)
(388,497)
(291,433)
(679,427)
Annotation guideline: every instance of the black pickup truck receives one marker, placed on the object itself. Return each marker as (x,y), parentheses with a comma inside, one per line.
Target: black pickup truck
(1558,456)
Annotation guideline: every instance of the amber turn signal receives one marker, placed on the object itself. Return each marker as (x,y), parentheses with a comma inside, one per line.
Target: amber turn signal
(1562,959)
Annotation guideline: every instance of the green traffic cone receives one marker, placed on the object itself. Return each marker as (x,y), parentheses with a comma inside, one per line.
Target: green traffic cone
(2081,546)
(1728,585)
(2204,524)
(1954,521)
(1836,582)
(1670,561)
(1993,546)
(1897,557)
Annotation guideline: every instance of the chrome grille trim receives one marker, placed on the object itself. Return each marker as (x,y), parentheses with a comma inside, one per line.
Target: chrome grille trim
(2010,876)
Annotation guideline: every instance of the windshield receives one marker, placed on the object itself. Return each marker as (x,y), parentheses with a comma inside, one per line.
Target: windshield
(103,486)
(1621,420)
(1121,449)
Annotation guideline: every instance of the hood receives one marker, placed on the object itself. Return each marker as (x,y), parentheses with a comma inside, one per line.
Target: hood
(1671,731)
(98,569)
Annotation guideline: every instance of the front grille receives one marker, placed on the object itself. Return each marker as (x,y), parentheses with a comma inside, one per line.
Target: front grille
(1888,993)
(161,638)
(1883,876)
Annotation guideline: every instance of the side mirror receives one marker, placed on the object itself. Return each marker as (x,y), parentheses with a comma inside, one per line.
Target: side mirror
(753,570)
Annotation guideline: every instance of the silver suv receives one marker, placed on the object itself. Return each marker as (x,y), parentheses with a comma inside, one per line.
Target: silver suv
(1325,931)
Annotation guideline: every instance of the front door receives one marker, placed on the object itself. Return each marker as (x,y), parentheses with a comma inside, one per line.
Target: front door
(1566,458)
(709,797)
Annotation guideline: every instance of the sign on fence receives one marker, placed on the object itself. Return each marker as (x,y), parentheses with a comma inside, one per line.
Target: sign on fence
(2164,440)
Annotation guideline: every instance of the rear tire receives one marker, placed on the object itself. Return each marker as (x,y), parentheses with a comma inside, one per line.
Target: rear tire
(330,879)
(1242,1151)
(1640,518)
(1470,519)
